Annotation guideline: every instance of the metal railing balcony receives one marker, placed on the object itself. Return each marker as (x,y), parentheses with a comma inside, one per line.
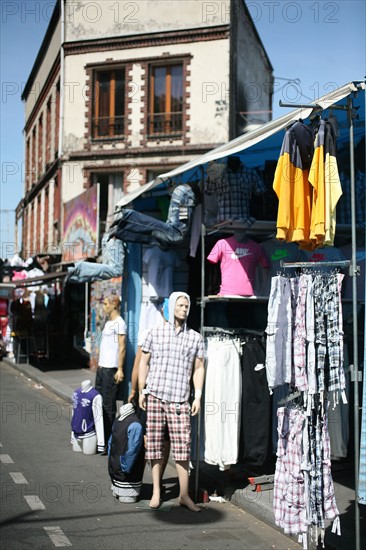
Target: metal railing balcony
(108,127)
(165,124)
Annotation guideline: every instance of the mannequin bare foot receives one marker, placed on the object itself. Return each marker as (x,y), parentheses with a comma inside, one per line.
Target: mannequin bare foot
(155,502)
(188,503)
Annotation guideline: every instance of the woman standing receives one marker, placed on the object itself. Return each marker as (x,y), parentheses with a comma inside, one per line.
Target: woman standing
(111,360)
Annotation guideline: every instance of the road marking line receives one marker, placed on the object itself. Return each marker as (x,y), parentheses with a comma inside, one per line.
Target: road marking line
(5,459)
(1,444)
(57,536)
(18,478)
(34,502)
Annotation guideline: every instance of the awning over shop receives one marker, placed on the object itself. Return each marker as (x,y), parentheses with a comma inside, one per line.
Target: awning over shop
(260,142)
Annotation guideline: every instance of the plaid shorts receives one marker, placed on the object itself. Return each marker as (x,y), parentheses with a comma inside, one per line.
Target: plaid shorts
(160,413)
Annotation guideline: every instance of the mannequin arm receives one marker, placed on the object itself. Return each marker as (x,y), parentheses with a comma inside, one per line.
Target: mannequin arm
(97,407)
(135,375)
(198,379)
(143,372)
(121,358)
(135,438)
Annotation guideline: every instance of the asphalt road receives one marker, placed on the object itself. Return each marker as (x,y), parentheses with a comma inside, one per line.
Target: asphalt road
(52,497)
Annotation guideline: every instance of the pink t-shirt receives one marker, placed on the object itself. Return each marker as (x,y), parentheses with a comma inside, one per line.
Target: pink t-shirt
(238,261)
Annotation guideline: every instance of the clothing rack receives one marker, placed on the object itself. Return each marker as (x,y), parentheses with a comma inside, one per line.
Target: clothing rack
(290,397)
(353,271)
(233,331)
(339,263)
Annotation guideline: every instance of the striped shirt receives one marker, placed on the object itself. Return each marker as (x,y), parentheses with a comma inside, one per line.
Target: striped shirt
(171,362)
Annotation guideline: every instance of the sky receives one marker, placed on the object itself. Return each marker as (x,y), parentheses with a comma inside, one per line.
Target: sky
(314,47)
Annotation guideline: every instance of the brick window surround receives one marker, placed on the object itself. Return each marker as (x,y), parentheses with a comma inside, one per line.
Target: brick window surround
(147,65)
(106,102)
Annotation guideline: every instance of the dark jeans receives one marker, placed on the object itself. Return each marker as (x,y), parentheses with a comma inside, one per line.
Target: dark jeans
(107,387)
(136,227)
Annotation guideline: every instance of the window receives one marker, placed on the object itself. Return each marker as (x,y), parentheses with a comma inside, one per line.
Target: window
(40,146)
(28,165)
(110,192)
(166,100)
(48,132)
(45,218)
(33,161)
(38,225)
(57,117)
(109,104)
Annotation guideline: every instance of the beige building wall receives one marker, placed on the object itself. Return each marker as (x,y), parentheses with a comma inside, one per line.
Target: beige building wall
(86,20)
(207,119)
(43,72)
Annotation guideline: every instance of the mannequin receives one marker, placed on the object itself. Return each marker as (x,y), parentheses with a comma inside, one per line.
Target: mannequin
(87,434)
(126,455)
(234,188)
(112,352)
(238,261)
(171,353)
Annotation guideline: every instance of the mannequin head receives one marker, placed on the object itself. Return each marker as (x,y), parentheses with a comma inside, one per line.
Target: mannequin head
(111,304)
(179,305)
(126,409)
(85,384)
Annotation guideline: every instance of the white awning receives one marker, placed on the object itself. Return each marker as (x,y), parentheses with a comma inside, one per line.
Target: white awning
(244,141)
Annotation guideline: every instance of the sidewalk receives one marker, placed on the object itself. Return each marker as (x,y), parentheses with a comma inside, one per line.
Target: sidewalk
(233,484)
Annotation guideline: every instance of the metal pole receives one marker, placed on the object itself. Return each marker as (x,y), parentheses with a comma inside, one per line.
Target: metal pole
(202,317)
(353,274)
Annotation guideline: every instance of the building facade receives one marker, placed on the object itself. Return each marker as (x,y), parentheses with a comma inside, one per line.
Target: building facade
(123,91)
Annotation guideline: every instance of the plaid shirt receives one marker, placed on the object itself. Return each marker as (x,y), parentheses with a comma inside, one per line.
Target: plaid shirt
(333,336)
(289,503)
(171,362)
(329,501)
(299,374)
(329,332)
(320,334)
(234,191)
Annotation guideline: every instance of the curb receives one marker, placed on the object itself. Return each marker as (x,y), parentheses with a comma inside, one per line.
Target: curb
(58,388)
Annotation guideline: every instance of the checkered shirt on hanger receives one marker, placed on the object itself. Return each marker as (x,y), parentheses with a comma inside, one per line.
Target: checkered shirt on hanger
(234,190)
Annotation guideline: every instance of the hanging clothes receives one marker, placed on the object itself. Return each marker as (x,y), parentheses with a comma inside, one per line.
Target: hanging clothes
(289,504)
(303,487)
(303,493)
(326,184)
(279,333)
(305,333)
(255,403)
(234,187)
(307,185)
(291,184)
(238,262)
(133,226)
(222,401)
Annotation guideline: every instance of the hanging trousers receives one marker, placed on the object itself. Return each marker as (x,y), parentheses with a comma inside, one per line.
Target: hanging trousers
(136,227)
(222,402)
(256,404)
(87,272)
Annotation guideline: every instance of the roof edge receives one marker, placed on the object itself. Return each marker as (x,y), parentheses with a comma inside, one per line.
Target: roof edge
(43,49)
